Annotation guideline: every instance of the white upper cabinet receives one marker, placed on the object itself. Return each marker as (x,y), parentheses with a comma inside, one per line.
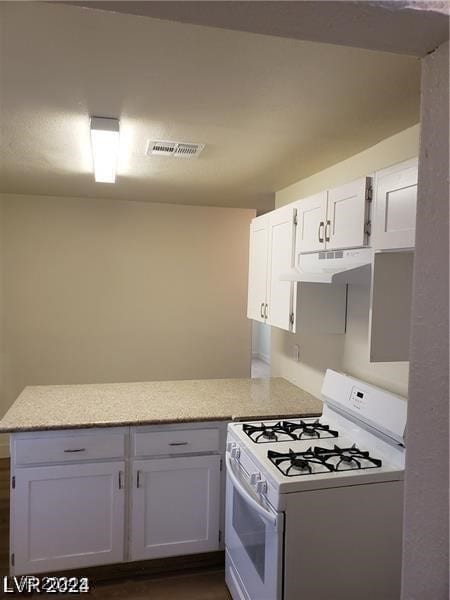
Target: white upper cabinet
(286,304)
(335,219)
(280,294)
(257,269)
(272,239)
(347,215)
(311,219)
(394,223)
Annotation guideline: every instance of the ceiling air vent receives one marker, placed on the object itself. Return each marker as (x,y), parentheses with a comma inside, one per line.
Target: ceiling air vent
(177,149)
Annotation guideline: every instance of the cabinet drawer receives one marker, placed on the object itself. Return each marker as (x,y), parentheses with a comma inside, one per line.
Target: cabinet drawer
(69,447)
(175,441)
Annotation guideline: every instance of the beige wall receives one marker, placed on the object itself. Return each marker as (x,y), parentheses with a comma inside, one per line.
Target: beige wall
(2,361)
(99,291)
(349,352)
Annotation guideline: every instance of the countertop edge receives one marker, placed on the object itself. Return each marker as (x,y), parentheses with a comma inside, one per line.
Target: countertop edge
(168,421)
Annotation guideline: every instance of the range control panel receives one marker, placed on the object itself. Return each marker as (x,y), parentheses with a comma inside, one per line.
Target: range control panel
(376,407)
(358,398)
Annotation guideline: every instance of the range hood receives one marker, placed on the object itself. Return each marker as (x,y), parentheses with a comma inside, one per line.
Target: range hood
(334,266)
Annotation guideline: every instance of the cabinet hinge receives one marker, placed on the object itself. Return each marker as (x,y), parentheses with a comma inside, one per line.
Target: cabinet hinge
(369,193)
(220,536)
(13,559)
(291,318)
(13,483)
(368,228)
(295,217)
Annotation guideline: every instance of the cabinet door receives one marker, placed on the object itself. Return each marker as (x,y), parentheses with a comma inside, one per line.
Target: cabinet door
(65,517)
(257,268)
(311,217)
(175,506)
(280,294)
(347,215)
(390,306)
(395,207)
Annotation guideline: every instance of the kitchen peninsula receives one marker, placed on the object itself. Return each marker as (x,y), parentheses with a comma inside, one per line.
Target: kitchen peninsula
(112,473)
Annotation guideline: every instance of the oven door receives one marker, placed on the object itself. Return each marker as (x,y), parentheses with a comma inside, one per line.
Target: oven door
(253,540)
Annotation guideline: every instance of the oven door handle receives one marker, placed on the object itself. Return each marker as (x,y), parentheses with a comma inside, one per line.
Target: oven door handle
(265,514)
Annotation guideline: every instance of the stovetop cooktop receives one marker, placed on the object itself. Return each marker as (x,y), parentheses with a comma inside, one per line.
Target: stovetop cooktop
(285,431)
(307,449)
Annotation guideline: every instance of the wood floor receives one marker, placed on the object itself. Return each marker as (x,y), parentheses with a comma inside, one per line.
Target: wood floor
(196,586)
(187,584)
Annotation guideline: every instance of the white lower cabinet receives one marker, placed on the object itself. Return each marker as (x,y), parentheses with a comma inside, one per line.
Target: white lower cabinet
(67,516)
(134,493)
(175,506)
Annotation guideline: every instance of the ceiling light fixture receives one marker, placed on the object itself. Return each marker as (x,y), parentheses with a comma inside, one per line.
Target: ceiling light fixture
(105,148)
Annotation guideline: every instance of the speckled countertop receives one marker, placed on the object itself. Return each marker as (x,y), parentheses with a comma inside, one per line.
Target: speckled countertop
(116,404)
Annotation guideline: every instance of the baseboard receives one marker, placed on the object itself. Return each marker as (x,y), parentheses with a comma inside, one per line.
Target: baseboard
(264,357)
(151,568)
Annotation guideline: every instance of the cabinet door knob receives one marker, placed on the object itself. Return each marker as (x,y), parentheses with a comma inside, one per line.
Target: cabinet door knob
(321,226)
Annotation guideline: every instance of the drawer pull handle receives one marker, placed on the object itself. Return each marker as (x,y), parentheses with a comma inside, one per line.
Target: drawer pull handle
(75,450)
(138,479)
(120,480)
(178,443)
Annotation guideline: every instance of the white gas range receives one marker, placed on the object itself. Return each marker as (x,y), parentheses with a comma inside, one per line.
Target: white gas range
(314,506)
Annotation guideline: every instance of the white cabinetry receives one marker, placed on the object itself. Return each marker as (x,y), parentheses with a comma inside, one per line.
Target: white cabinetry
(285,304)
(394,222)
(281,295)
(175,506)
(311,218)
(271,300)
(69,516)
(335,219)
(257,269)
(348,215)
(87,497)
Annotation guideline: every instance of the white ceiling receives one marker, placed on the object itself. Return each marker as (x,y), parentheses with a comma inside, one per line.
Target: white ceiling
(270,110)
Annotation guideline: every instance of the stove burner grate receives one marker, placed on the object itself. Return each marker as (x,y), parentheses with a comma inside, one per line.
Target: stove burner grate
(322,460)
(310,430)
(298,463)
(286,431)
(348,458)
(267,433)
